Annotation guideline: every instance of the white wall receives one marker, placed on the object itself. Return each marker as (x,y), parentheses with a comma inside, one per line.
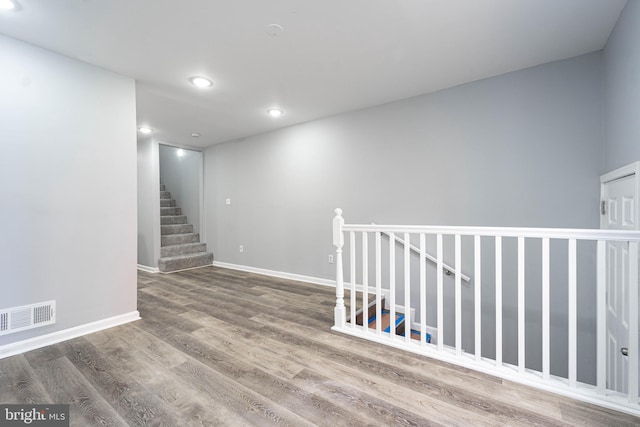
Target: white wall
(148,203)
(521,149)
(622,90)
(68,187)
(182,176)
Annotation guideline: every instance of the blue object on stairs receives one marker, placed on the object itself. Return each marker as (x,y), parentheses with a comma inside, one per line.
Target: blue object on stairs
(399,320)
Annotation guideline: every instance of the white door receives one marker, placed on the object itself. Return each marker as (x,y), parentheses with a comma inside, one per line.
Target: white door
(618,198)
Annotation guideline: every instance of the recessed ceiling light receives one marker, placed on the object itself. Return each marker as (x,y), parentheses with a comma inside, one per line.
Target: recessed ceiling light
(201,82)
(145,130)
(275,112)
(7,5)
(180,152)
(195,135)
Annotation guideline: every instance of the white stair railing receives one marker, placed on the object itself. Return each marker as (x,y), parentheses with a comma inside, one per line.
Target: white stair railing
(412,285)
(447,269)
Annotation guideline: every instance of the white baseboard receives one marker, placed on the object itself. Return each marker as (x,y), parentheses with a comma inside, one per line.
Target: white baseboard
(293,276)
(66,334)
(148,269)
(278,274)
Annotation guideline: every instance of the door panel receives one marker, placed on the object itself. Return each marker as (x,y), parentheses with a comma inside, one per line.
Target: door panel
(619,201)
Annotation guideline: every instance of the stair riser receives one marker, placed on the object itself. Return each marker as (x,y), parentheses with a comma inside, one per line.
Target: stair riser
(179,239)
(170,211)
(176,229)
(165,195)
(167,203)
(198,260)
(168,220)
(175,250)
(163,187)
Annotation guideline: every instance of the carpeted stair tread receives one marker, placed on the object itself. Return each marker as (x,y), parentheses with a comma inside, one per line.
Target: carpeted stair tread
(180,247)
(170,211)
(183,262)
(176,229)
(173,219)
(184,249)
(179,239)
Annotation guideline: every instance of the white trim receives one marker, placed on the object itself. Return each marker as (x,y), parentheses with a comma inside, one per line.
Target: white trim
(448,269)
(624,171)
(279,274)
(178,145)
(630,169)
(155,218)
(432,330)
(66,334)
(147,268)
(202,226)
(551,233)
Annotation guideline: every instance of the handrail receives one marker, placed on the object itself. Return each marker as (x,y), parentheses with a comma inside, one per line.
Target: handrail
(448,269)
(551,233)
(415,298)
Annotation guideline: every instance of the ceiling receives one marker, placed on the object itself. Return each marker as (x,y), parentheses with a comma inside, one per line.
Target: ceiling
(333,56)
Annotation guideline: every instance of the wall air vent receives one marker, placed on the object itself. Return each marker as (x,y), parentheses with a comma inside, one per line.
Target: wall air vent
(25,317)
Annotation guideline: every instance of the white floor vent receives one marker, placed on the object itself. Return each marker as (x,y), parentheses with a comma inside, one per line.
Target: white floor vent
(25,317)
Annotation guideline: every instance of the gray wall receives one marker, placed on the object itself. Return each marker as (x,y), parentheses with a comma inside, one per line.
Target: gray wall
(622,90)
(521,149)
(148,203)
(68,187)
(183,177)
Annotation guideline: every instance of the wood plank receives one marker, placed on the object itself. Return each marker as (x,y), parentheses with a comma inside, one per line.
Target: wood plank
(19,383)
(221,347)
(371,410)
(130,399)
(253,408)
(153,370)
(64,383)
(461,396)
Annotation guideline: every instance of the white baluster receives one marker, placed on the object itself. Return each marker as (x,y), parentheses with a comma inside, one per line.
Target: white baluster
(423,291)
(407,288)
(458,292)
(633,323)
(601,318)
(378,282)
(572,313)
(352,272)
(392,284)
(365,282)
(498,301)
(546,335)
(477,297)
(521,305)
(338,241)
(440,296)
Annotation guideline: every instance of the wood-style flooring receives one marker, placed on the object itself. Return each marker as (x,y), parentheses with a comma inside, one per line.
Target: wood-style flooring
(221,347)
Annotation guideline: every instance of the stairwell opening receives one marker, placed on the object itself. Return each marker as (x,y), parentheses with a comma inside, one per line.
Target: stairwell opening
(181,243)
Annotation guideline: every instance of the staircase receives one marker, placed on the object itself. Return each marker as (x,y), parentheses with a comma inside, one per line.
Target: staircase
(385,321)
(180,246)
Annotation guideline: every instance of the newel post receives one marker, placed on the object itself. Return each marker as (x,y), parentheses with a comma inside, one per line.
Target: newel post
(340,314)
